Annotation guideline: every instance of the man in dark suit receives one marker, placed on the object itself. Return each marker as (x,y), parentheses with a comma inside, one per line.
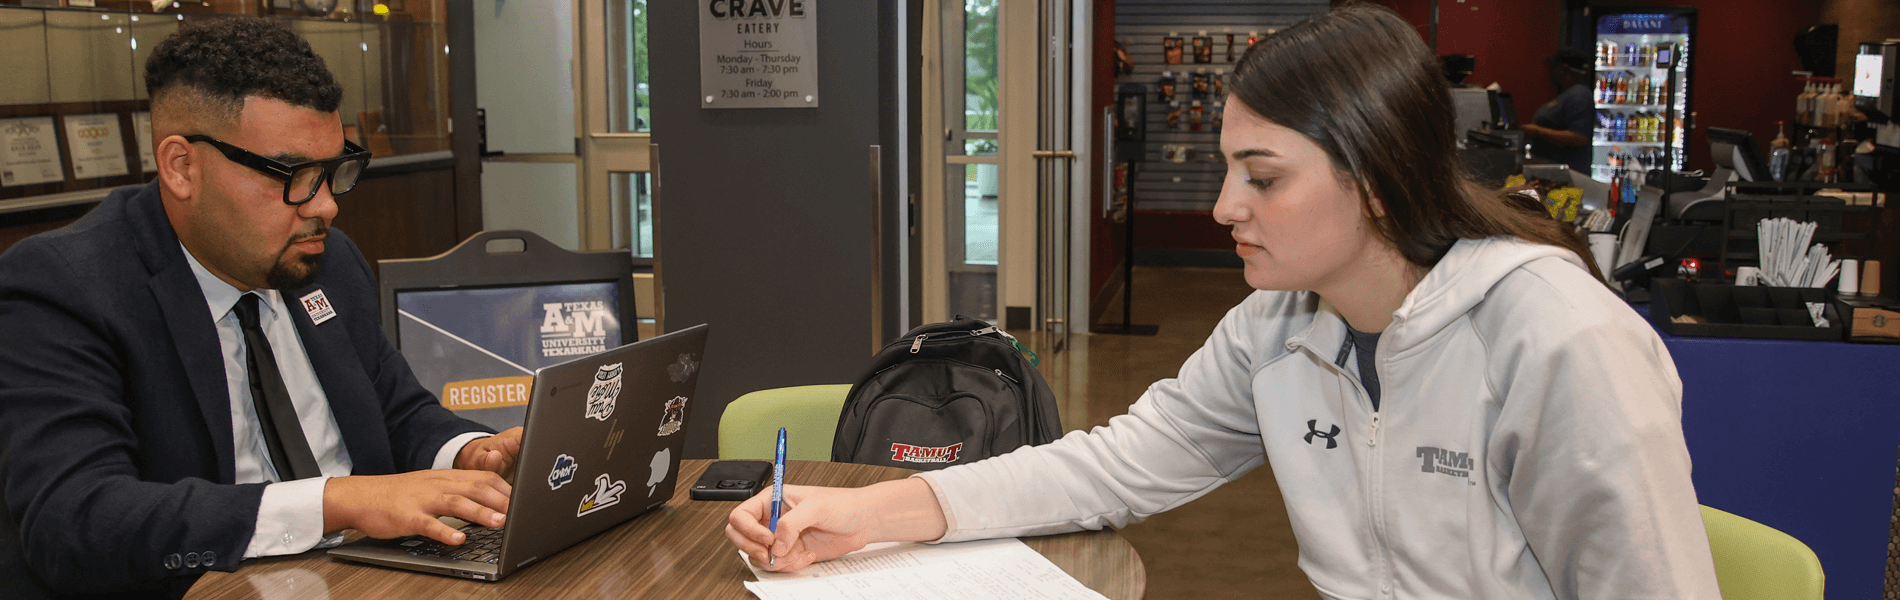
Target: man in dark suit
(194,374)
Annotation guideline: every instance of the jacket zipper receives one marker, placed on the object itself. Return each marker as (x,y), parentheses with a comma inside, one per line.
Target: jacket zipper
(1375,506)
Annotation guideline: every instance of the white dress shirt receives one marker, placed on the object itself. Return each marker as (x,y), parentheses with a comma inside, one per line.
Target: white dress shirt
(290,517)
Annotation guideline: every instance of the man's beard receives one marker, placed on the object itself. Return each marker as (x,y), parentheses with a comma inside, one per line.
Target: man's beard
(286,276)
(299,274)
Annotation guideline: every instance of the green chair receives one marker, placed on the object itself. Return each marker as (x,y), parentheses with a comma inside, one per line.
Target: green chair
(809,414)
(1757,562)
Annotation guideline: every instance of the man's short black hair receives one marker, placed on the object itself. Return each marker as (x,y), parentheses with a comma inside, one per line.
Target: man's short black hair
(228,59)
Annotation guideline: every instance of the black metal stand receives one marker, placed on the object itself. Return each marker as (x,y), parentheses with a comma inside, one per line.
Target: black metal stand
(1127,326)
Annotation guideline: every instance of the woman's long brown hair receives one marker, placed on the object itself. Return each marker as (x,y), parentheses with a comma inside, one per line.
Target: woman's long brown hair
(1359,82)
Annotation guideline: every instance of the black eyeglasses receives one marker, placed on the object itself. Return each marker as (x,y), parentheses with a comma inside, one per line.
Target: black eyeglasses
(301,180)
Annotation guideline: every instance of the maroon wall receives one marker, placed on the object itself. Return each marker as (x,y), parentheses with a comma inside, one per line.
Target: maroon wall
(1510,39)
(1104,235)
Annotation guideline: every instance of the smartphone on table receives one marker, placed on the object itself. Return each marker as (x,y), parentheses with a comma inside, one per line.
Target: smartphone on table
(732,480)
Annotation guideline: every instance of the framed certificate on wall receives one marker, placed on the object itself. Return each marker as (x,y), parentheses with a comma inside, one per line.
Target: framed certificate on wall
(97,145)
(29,152)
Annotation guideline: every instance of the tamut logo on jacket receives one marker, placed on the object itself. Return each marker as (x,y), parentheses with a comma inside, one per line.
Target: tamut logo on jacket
(318,307)
(925,454)
(1445,462)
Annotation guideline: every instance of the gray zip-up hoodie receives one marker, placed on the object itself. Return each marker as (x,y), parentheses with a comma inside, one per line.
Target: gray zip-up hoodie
(1529,442)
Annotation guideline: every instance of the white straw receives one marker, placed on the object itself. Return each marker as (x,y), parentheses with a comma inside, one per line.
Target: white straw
(1787,258)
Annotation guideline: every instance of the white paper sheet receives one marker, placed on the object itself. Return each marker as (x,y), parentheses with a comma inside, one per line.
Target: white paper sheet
(1001,569)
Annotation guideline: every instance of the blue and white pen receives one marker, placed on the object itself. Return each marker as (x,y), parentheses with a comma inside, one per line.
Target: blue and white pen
(778,490)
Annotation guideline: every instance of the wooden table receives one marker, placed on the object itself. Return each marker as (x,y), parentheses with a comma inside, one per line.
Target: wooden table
(677,551)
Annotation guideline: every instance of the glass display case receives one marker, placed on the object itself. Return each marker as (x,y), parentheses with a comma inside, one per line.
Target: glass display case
(74,115)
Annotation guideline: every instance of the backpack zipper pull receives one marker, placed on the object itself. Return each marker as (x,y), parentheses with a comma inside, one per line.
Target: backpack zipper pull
(919,344)
(1000,373)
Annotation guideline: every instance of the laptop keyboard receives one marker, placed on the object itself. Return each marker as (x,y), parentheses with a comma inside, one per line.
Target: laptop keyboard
(483,545)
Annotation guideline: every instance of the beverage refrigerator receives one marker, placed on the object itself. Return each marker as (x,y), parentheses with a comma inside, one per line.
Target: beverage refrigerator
(1636,99)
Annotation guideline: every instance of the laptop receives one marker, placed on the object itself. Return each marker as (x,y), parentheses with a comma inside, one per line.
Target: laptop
(602,445)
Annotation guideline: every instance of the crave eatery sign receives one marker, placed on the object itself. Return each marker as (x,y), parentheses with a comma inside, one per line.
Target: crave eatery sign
(758,53)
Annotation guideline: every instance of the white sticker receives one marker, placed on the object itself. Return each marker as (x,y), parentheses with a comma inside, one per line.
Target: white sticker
(673,416)
(318,307)
(605,494)
(605,392)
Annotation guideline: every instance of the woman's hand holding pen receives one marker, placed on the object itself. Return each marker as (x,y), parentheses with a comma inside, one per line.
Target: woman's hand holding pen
(819,523)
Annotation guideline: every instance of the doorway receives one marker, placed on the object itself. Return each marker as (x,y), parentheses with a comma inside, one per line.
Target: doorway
(1000,188)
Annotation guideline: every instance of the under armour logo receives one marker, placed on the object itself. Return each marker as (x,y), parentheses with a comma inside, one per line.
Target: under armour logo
(1312,427)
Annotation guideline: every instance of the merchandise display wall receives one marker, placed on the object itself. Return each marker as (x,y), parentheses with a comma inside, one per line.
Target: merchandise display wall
(1182,169)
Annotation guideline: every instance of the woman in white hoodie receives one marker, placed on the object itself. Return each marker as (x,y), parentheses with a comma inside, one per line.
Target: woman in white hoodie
(1453,404)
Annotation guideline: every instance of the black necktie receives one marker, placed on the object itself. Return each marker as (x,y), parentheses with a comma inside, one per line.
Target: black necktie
(276,416)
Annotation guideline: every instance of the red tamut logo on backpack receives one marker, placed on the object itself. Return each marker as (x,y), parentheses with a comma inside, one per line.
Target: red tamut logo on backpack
(925,454)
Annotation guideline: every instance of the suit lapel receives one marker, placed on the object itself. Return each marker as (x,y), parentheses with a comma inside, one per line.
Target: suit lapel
(193,333)
(359,419)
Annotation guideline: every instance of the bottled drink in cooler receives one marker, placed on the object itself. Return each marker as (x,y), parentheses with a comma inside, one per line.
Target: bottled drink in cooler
(1642,91)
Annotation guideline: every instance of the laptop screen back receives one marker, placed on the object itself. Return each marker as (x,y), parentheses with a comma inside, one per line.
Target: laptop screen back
(603,444)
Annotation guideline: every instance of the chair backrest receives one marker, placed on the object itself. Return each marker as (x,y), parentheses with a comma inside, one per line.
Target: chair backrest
(809,414)
(1757,562)
(476,321)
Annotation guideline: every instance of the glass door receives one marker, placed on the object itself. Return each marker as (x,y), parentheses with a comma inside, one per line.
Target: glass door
(961,213)
(998,212)
(616,150)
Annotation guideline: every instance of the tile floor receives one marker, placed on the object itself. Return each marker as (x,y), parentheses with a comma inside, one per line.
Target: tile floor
(1232,543)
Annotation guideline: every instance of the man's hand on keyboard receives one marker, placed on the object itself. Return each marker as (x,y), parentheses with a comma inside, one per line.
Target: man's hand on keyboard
(391,506)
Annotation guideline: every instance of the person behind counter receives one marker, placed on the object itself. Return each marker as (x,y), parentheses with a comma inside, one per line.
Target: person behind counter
(1453,404)
(1560,130)
(194,373)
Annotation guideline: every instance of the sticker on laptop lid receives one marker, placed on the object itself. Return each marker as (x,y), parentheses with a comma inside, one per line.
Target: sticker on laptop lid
(605,494)
(564,469)
(673,415)
(683,368)
(318,307)
(662,464)
(605,392)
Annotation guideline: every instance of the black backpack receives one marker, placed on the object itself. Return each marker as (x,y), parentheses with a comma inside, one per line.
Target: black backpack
(945,394)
